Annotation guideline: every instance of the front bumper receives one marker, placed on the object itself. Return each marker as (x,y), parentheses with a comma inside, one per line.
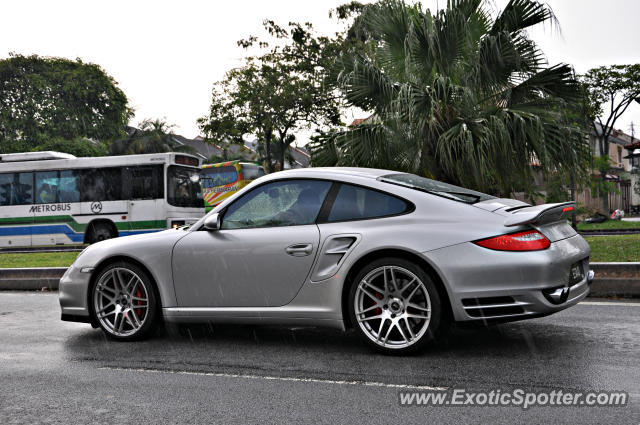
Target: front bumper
(72,294)
(491,285)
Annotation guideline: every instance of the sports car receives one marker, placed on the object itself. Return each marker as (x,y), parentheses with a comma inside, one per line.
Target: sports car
(394,256)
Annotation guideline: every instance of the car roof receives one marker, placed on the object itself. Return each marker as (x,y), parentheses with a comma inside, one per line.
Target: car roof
(372,173)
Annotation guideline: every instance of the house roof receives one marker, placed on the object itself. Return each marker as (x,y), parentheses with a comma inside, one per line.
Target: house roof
(357,121)
(632,146)
(301,156)
(617,136)
(203,149)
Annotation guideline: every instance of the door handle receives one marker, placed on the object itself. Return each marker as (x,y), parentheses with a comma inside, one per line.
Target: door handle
(299,249)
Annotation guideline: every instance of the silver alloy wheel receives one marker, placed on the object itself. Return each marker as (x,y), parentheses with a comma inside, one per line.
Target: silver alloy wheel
(121,302)
(392,307)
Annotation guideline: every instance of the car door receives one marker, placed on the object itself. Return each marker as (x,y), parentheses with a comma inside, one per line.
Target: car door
(262,253)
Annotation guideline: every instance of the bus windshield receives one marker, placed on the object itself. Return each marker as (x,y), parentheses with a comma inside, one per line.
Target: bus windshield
(183,187)
(218,176)
(251,171)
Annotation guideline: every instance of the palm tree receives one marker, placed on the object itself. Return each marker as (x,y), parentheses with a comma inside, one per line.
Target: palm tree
(456,95)
(153,136)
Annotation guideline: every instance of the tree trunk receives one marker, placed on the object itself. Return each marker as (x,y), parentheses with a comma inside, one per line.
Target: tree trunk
(267,148)
(605,196)
(282,148)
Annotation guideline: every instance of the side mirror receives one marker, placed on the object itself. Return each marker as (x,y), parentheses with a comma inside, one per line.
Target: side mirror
(212,222)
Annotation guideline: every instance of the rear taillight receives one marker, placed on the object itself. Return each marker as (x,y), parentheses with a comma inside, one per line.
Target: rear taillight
(531,240)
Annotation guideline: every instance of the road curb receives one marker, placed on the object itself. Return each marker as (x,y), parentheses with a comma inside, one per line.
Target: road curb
(611,280)
(616,280)
(34,278)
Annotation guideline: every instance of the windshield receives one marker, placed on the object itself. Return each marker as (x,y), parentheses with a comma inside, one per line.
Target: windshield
(435,187)
(251,171)
(218,176)
(183,187)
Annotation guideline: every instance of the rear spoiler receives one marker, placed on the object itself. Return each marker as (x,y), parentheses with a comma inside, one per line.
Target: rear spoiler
(541,214)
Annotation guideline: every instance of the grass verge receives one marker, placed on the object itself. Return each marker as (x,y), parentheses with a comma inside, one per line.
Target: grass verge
(623,248)
(37,259)
(609,225)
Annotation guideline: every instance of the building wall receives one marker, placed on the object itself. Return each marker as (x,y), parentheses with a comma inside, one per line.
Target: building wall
(616,152)
(635,182)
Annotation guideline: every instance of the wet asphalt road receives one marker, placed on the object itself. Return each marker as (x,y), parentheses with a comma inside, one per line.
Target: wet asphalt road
(57,372)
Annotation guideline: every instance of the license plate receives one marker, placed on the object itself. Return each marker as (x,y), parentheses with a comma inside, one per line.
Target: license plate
(576,274)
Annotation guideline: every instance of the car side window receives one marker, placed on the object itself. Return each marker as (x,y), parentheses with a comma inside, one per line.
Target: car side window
(281,203)
(357,203)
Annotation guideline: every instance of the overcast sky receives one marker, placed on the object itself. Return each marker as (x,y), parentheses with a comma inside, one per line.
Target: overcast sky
(166,55)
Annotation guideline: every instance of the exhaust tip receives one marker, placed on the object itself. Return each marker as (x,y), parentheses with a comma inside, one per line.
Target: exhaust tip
(556,295)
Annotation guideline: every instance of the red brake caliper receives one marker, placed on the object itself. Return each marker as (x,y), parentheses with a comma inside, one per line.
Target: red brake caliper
(139,310)
(378,310)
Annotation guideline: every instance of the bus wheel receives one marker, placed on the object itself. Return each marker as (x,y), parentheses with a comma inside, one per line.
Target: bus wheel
(100,232)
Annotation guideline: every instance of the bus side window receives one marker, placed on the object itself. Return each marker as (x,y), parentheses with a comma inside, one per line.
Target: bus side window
(101,184)
(47,185)
(146,182)
(68,190)
(16,189)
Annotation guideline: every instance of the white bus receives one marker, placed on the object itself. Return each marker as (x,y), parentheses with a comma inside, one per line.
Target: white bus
(51,198)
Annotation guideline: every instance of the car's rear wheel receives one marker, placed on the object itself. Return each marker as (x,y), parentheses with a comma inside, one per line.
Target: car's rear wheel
(124,302)
(395,306)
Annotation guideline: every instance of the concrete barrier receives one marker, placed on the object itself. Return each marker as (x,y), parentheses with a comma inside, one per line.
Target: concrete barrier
(611,280)
(616,280)
(34,278)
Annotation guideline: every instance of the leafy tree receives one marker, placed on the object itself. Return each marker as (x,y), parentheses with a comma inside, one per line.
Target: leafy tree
(13,146)
(214,159)
(278,150)
(457,94)
(46,97)
(78,147)
(153,136)
(617,85)
(275,94)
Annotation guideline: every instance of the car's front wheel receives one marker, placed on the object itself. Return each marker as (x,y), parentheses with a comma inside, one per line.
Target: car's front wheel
(123,301)
(395,306)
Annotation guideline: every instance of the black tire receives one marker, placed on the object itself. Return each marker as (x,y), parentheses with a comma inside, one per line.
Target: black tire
(422,338)
(99,232)
(151,316)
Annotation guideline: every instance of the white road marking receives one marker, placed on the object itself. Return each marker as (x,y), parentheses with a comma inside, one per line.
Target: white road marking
(279,378)
(625,304)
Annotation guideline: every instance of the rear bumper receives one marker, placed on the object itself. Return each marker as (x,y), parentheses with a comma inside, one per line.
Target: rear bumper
(491,285)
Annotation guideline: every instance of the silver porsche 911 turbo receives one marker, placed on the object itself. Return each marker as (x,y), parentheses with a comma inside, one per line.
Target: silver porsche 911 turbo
(393,255)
